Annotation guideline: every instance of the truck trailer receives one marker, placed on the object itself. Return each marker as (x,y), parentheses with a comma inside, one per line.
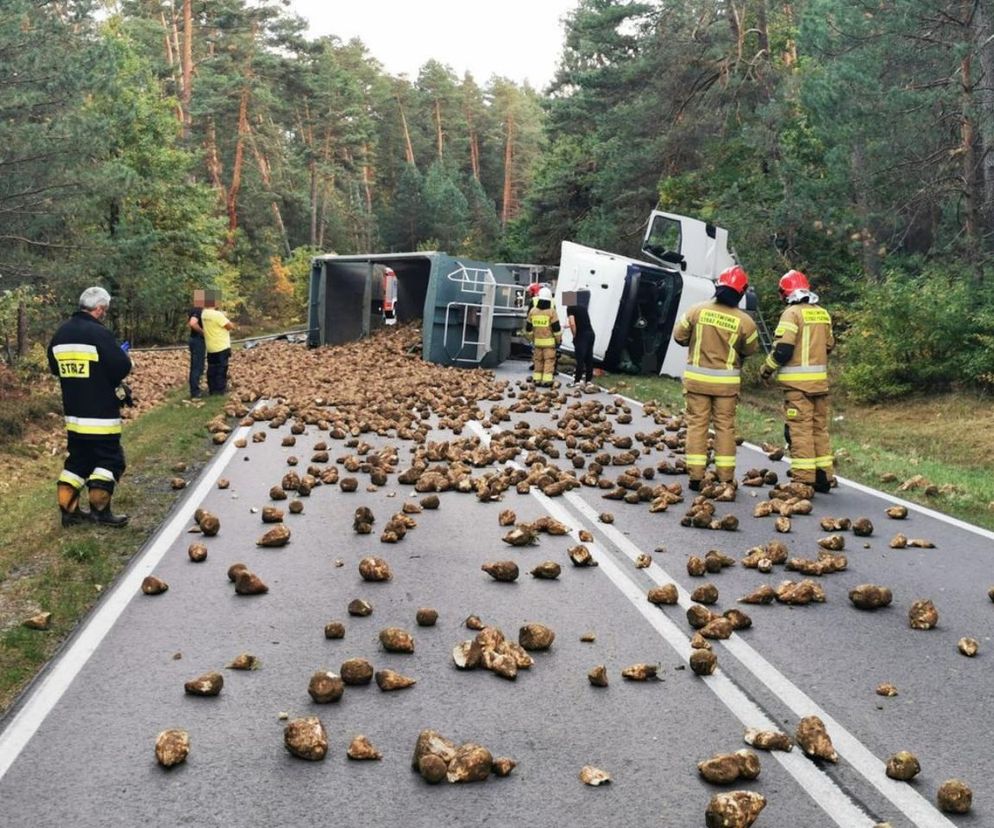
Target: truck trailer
(472,311)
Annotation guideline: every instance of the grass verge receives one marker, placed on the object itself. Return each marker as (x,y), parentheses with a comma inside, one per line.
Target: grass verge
(44,567)
(948,440)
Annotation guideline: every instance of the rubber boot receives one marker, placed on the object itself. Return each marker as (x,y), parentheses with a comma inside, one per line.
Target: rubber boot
(100,511)
(69,505)
(822,484)
(694,485)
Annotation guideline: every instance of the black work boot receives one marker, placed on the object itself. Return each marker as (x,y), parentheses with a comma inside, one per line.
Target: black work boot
(822,484)
(694,485)
(100,511)
(74,518)
(69,509)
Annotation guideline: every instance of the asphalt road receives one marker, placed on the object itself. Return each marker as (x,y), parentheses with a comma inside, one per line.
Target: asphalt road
(78,749)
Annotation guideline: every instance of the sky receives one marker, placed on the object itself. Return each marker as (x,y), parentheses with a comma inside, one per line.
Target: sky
(517,39)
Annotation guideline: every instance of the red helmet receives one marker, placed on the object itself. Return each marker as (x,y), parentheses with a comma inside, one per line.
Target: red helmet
(534,288)
(793,280)
(734,277)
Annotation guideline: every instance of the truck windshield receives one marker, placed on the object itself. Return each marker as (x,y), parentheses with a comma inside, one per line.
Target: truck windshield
(663,237)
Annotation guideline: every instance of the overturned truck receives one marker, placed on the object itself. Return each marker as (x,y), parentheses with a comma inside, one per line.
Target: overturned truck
(472,311)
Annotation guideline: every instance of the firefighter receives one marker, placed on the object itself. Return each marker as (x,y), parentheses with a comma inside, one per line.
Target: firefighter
(801,345)
(91,368)
(719,336)
(531,297)
(543,328)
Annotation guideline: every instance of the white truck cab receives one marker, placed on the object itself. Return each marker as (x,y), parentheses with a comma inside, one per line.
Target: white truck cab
(634,304)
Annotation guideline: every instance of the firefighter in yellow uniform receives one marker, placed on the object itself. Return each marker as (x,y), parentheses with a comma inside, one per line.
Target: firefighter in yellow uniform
(543,327)
(801,345)
(719,336)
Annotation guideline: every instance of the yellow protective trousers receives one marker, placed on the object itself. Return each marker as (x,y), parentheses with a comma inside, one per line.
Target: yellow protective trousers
(807,433)
(704,410)
(545,365)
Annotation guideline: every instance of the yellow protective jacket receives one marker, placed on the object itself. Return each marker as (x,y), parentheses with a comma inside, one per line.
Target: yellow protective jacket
(543,325)
(718,338)
(802,342)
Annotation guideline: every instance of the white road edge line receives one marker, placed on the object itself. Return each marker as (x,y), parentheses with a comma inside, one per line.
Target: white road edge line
(818,785)
(43,698)
(859,487)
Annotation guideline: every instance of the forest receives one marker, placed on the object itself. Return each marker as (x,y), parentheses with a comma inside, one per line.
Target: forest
(157,146)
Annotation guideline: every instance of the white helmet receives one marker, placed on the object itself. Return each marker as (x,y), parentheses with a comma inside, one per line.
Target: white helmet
(545,293)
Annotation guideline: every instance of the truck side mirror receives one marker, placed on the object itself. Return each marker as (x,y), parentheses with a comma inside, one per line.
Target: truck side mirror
(672,257)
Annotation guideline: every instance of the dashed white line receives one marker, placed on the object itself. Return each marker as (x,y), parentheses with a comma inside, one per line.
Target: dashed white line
(820,787)
(912,804)
(46,694)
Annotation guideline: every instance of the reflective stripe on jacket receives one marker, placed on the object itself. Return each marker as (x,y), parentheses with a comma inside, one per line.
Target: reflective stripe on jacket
(718,338)
(808,328)
(90,365)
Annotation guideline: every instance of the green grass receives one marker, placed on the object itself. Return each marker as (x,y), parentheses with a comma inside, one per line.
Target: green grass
(63,571)
(949,440)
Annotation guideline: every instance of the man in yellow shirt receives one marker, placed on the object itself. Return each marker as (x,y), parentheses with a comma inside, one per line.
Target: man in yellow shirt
(217,335)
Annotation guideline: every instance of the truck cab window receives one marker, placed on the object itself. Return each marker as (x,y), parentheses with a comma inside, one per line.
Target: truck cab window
(664,237)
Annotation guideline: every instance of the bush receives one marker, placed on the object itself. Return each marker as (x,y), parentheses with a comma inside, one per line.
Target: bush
(924,333)
(17,413)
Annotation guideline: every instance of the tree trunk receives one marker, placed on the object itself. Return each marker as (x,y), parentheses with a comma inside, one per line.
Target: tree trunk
(868,240)
(214,166)
(972,187)
(236,167)
(408,149)
(22,329)
(983,23)
(790,47)
(736,22)
(762,27)
(171,61)
(266,172)
(312,169)
(367,180)
(474,153)
(507,208)
(474,145)
(186,92)
(438,128)
(329,187)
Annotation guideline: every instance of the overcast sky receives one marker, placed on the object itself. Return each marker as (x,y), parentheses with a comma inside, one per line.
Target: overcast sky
(517,39)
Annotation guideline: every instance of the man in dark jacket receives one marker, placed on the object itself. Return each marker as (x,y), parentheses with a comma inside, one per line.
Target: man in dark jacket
(578,318)
(90,366)
(198,347)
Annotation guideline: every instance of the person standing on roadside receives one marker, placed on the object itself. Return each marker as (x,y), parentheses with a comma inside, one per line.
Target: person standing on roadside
(802,342)
(91,368)
(718,336)
(578,319)
(198,347)
(217,337)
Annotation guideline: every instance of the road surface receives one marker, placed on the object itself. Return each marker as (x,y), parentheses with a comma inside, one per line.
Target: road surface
(78,748)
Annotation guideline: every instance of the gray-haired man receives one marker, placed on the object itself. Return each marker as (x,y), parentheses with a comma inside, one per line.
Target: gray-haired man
(90,366)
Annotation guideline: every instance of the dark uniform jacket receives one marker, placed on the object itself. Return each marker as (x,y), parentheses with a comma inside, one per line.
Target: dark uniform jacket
(85,357)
